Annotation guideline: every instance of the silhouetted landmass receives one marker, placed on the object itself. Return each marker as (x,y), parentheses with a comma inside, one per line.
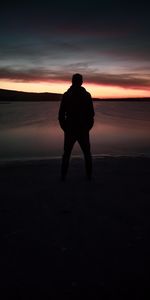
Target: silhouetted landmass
(9,96)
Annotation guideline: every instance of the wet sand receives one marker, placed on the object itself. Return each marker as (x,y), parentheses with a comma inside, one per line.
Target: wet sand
(78,236)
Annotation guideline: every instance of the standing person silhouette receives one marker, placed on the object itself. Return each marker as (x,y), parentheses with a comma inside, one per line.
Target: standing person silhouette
(76,118)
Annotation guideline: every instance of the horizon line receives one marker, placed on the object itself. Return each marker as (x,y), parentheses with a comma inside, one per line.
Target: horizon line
(54,93)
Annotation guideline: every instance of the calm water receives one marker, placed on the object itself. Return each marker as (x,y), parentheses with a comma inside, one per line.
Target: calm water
(31,130)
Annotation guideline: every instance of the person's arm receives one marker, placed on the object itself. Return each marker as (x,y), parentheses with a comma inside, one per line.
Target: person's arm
(91,112)
(62,113)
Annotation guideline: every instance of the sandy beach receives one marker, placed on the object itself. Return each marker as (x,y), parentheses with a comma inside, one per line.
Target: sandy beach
(76,236)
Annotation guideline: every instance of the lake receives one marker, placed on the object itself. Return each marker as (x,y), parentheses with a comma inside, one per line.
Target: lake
(30,130)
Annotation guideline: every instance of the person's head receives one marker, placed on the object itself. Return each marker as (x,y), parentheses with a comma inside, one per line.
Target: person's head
(77,79)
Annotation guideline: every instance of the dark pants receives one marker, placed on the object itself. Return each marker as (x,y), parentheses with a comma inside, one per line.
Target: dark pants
(84,142)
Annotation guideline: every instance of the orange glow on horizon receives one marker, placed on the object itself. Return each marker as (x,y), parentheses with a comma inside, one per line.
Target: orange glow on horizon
(97,91)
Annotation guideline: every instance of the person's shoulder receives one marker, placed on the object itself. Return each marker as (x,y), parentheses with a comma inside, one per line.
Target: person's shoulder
(66,94)
(89,95)
(86,92)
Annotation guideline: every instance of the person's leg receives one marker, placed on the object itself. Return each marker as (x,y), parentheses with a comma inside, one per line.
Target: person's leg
(84,142)
(69,141)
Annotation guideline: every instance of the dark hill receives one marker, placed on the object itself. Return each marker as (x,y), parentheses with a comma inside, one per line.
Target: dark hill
(8,95)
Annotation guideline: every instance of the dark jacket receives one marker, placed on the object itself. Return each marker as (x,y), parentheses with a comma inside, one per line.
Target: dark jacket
(76,111)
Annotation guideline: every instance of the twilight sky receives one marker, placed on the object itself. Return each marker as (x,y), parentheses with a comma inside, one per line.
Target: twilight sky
(42,43)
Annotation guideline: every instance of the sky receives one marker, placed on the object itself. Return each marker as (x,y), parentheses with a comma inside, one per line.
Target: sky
(42,43)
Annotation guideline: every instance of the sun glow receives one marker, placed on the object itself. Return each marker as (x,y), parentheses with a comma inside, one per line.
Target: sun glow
(103,91)
(97,91)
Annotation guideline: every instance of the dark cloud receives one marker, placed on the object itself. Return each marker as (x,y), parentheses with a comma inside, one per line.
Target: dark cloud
(100,16)
(133,81)
(61,34)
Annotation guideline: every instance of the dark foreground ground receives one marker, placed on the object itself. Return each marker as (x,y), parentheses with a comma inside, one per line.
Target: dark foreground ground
(78,237)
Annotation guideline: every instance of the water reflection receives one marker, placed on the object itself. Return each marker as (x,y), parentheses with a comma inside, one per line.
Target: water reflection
(31,130)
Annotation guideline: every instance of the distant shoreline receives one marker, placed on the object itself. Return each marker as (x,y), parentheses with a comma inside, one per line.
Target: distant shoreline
(18,96)
(46,160)
(2,101)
